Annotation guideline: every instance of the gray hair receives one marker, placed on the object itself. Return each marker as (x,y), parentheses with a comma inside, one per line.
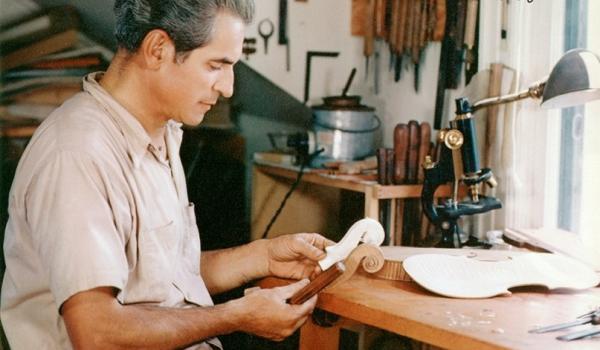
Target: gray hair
(189,23)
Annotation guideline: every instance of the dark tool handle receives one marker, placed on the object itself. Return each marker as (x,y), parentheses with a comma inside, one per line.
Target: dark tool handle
(349,82)
(413,151)
(400,153)
(389,166)
(382,164)
(283,12)
(315,286)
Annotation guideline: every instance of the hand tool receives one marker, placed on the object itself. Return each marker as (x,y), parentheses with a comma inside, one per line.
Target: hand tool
(389,166)
(431,20)
(265,30)
(369,35)
(400,153)
(393,32)
(592,317)
(402,16)
(376,70)
(382,164)
(319,283)
(504,25)
(416,39)
(380,13)
(580,334)
(309,56)
(248,47)
(440,20)
(413,151)
(408,27)
(283,38)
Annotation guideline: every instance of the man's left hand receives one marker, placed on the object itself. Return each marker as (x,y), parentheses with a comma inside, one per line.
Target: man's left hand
(296,256)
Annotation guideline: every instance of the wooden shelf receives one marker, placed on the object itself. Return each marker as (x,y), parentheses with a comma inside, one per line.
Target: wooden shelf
(356,183)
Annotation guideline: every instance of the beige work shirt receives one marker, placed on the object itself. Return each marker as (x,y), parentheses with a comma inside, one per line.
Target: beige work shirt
(93,204)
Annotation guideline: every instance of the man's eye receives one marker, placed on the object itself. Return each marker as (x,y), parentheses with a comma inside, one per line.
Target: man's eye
(215,67)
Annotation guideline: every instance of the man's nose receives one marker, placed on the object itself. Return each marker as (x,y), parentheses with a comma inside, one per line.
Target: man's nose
(224,84)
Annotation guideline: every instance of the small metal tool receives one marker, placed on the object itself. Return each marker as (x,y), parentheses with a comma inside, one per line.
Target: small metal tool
(592,317)
(580,334)
(265,30)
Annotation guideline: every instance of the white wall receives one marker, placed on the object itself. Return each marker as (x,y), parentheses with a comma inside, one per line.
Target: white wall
(324,25)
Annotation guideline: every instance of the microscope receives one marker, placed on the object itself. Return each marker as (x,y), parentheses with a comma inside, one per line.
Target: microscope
(573,81)
(458,164)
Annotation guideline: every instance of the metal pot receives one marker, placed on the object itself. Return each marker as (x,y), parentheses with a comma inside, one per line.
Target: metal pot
(344,129)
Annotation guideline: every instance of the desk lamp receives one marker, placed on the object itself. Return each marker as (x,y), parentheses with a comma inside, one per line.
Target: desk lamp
(574,80)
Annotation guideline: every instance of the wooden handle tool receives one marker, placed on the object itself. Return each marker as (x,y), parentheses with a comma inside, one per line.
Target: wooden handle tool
(440,20)
(315,286)
(369,34)
(413,151)
(380,7)
(393,33)
(400,153)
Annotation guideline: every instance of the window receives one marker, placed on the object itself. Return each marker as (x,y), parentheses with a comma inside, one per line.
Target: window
(578,183)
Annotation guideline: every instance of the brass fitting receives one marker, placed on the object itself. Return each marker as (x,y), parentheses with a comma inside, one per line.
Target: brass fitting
(474,193)
(491,182)
(428,163)
(453,139)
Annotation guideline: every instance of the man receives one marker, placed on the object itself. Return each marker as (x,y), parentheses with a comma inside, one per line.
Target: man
(102,248)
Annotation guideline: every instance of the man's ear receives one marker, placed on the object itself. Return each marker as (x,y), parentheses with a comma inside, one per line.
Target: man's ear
(157,48)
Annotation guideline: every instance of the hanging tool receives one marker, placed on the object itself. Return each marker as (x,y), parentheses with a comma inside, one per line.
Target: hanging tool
(309,56)
(402,15)
(393,33)
(440,20)
(265,30)
(249,47)
(380,33)
(283,38)
(369,35)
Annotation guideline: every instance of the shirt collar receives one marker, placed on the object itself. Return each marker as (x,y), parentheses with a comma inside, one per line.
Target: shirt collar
(136,136)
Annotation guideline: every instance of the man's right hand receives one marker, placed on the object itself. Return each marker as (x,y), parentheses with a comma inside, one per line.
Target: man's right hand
(265,312)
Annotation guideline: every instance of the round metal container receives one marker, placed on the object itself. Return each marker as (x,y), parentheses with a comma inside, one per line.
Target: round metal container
(345,129)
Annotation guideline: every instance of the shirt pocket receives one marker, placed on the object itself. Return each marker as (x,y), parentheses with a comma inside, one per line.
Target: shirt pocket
(151,278)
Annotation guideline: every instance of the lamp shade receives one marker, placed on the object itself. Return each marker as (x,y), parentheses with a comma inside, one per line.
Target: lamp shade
(574,80)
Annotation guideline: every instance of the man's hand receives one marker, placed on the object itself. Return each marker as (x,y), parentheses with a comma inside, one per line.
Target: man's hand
(296,256)
(265,312)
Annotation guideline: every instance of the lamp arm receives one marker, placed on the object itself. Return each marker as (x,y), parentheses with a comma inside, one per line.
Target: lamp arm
(534,91)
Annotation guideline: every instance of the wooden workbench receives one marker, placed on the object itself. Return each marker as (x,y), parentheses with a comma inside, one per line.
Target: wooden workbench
(406,309)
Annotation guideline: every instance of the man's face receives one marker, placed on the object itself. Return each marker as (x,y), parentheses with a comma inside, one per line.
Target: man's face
(190,88)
